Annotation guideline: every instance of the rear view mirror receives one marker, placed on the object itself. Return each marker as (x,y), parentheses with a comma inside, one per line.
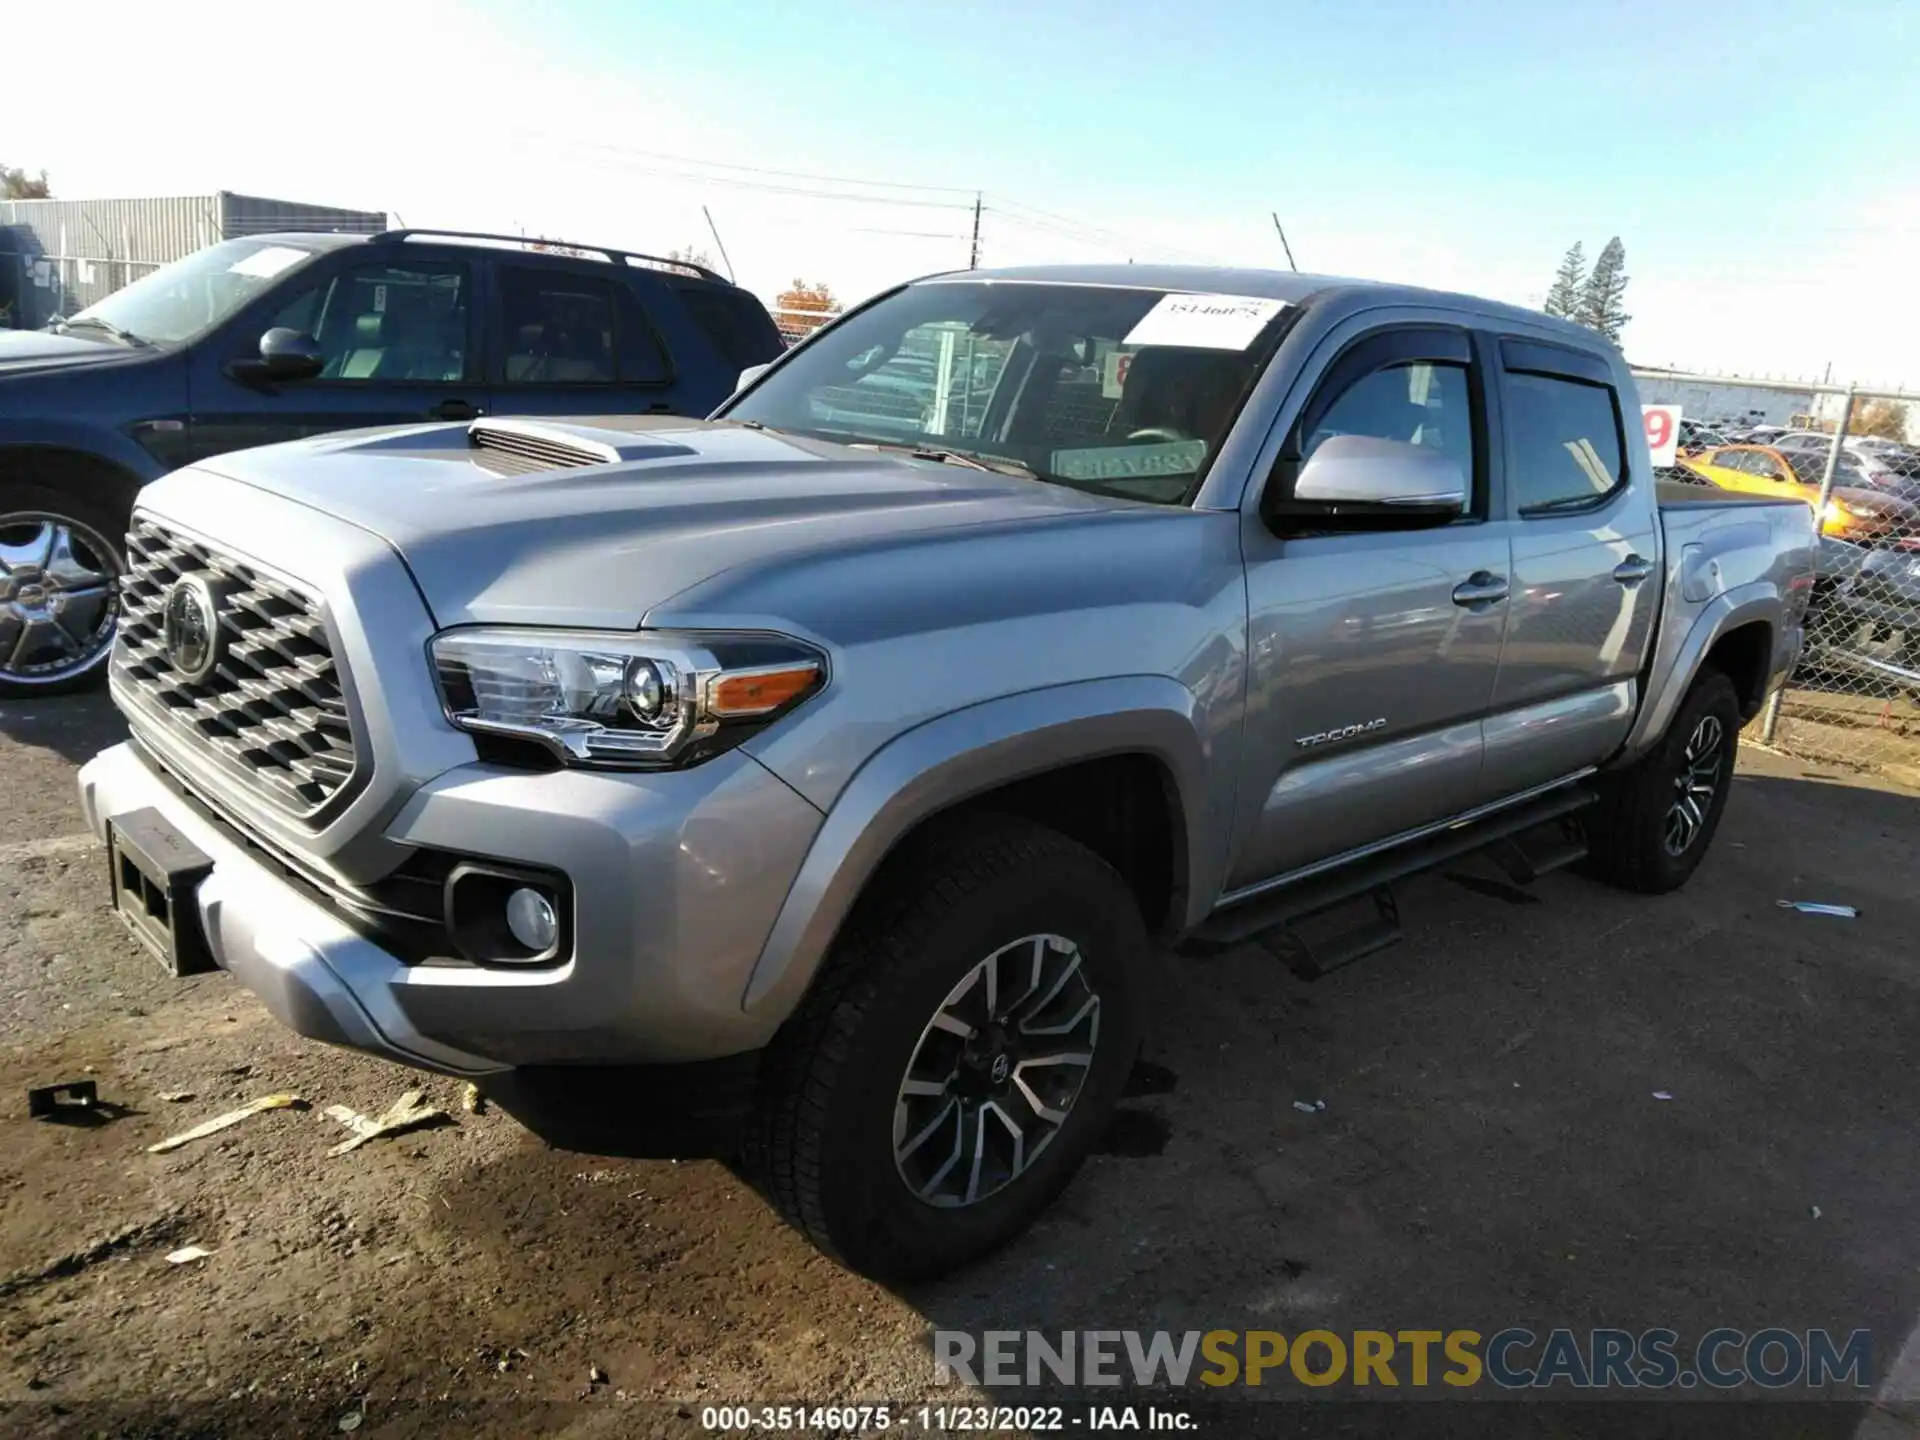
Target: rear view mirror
(1360,478)
(748,376)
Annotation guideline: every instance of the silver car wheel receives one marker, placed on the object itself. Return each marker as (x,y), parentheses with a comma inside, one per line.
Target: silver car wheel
(59,596)
(1694,787)
(996,1072)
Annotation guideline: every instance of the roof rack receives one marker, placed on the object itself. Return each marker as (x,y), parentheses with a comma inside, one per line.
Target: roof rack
(388,237)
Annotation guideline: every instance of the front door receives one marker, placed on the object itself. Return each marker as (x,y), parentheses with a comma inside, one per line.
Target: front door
(1586,569)
(398,340)
(1373,655)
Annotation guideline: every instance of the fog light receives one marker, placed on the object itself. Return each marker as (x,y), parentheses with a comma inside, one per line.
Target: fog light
(532,921)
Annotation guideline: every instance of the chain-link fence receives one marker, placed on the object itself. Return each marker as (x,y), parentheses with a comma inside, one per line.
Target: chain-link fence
(1854,700)
(44,286)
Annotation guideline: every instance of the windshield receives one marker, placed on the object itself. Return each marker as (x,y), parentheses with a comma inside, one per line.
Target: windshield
(1119,391)
(179,301)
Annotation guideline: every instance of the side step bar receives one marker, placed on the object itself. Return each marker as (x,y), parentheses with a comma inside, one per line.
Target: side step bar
(1500,833)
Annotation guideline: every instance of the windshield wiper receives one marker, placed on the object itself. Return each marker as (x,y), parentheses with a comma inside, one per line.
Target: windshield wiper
(94,322)
(971,461)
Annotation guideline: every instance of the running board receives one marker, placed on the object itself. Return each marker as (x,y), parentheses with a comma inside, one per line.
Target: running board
(1525,857)
(1240,923)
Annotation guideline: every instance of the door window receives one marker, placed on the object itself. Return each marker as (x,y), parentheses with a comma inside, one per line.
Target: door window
(392,323)
(1563,442)
(566,329)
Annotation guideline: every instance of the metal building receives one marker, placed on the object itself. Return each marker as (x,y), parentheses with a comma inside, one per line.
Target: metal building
(59,256)
(1724,401)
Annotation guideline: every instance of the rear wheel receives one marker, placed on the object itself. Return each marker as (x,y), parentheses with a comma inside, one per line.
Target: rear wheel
(1656,818)
(61,558)
(959,1053)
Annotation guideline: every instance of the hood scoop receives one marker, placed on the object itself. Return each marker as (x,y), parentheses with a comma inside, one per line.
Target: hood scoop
(522,447)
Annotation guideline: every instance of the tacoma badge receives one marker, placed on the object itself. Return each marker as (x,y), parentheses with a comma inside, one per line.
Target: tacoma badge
(1344,732)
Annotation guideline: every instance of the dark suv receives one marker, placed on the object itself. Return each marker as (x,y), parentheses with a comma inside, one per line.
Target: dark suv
(274,337)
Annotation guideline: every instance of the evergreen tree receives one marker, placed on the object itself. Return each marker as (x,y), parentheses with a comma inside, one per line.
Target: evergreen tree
(1568,281)
(1600,308)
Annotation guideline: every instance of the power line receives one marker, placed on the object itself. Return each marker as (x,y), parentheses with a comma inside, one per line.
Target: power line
(1105,239)
(577,143)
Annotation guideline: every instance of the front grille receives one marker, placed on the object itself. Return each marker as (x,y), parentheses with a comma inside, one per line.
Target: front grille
(271,712)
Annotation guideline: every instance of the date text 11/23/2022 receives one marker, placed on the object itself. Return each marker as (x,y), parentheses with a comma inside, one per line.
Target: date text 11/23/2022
(1015,1419)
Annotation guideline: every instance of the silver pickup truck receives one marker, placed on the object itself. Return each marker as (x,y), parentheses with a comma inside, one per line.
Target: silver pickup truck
(822,775)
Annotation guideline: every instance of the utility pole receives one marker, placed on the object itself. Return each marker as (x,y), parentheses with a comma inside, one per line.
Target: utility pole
(973,252)
(1283,242)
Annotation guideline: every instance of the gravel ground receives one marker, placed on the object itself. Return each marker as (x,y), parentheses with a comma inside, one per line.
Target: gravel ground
(1491,1152)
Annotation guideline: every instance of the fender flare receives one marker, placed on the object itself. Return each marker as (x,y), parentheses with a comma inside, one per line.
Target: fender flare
(965,753)
(1759,600)
(99,444)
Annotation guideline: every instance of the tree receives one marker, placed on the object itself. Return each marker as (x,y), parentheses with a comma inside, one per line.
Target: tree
(803,308)
(691,255)
(1600,307)
(1885,418)
(1568,281)
(16,184)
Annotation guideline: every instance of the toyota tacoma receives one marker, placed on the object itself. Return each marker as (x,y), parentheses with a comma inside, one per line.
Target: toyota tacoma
(833,770)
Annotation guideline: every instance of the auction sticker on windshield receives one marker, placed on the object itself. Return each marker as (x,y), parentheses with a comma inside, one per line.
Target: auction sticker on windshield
(1204,322)
(1129,462)
(267,263)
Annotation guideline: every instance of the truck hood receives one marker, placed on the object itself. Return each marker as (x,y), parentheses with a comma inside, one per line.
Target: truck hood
(671,503)
(34,351)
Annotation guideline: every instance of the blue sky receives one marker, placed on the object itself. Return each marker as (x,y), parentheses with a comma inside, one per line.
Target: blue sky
(1755,159)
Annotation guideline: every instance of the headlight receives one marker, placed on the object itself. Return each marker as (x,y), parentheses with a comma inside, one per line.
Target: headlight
(622,698)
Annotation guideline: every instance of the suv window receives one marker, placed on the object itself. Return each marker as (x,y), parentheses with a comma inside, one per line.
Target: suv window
(734,321)
(392,323)
(1563,441)
(566,329)
(1422,402)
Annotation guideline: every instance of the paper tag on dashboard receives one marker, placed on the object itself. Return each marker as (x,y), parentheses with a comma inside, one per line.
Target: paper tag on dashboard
(1204,322)
(267,263)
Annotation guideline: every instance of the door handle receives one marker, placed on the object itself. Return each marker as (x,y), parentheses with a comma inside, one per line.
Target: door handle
(1632,570)
(455,410)
(1483,587)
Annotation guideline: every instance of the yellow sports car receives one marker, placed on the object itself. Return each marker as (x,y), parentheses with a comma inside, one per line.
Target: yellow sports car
(1855,510)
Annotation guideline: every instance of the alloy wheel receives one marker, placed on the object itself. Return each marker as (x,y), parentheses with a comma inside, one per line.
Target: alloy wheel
(1694,787)
(59,596)
(996,1072)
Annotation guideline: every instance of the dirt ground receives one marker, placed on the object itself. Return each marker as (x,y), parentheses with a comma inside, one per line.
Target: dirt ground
(1491,1152)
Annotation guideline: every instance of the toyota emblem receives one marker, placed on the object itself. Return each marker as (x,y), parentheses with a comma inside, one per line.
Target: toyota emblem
(190,628)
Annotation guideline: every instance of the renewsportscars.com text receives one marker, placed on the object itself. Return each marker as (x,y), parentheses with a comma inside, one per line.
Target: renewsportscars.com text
(1512,1358)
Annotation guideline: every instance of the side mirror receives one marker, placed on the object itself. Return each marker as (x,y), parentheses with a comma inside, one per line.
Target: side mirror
(284,355)
(748,376)
(290,355)
(1357,480)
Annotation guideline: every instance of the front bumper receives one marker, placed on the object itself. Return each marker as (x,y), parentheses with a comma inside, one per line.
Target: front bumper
(676,880)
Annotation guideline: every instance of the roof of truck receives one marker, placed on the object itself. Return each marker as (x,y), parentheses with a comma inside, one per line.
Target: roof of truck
(1268,285)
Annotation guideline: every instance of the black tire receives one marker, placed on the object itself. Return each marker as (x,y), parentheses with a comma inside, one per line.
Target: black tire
(1630,833)
(94,529)
(823,1145)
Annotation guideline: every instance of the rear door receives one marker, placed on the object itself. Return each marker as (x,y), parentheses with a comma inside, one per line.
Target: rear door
(575,340)
(1372,656)
(1586,567)
(398,331)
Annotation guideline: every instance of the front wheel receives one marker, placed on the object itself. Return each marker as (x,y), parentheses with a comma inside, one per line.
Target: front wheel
(61,558)
(1656,818)
(959,1054)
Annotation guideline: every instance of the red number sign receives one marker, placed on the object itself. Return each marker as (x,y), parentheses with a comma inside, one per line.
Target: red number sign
(1663,431)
